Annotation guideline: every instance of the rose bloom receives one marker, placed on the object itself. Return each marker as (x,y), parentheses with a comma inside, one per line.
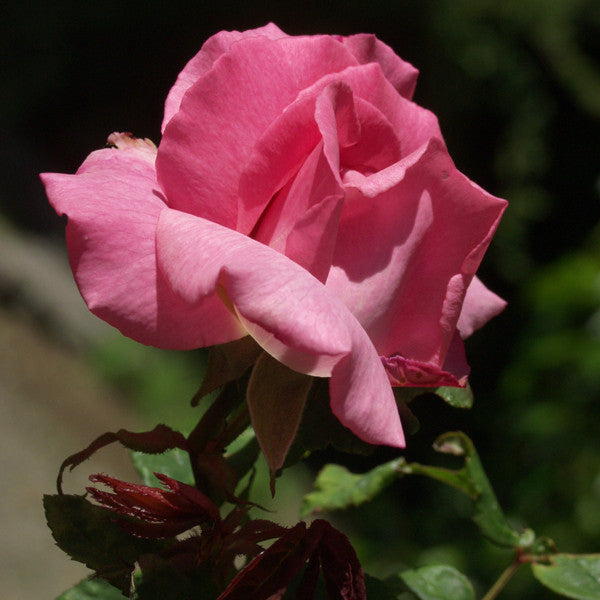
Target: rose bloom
(298,196)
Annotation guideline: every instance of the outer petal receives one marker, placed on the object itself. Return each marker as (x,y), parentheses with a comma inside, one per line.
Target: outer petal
(367,48)
(113,204)
(479,307)
(360,398)
(405,258)
(207,143)
(289,313)
(211,50)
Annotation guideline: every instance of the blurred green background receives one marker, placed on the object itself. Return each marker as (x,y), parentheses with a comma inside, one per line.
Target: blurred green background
(516,86)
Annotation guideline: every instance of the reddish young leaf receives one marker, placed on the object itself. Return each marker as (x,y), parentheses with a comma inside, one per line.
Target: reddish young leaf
(214,474)
(268,576)
(259,530)
(157,441)
(157,513)
(310,579)
(214,420)
(344,577)
(237,539)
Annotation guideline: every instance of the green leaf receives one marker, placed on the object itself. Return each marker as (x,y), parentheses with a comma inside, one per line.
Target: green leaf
(472,480)
(487,513)
(90,589)
(173,463)
(571,575)
(455,396)
(88,534)
(338,488)
(438,582)
(458,479)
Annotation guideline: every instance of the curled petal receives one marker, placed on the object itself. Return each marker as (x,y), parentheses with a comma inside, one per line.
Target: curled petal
(302,220)
(289,313)
(406,372)
(293,134)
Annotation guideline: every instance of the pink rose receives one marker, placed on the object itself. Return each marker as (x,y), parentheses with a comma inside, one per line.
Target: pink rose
(297,195)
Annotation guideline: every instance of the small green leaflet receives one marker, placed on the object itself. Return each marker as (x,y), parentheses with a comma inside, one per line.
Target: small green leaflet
(338,488)
(438,582)
(455,396)
(173,463)
(472,480)
(571,575)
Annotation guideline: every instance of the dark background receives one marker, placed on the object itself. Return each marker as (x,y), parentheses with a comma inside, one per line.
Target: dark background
(516,86)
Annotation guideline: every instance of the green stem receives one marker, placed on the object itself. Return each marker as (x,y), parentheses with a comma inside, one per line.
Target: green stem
(502,580)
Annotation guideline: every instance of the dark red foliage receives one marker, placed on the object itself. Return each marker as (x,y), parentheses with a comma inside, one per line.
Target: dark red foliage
(154,512)
(299,554)
(157,441)
(326,549)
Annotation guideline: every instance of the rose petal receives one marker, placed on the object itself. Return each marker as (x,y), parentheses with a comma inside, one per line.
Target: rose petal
(404,271)
(211,50)
(379,146)
(456,360)
(311,243)
(412,124)
(284,308)
(335,115)
(360,398)
(113,204)
(356,135)
(480,305)
(223,115)
(289,313)
(367,49)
